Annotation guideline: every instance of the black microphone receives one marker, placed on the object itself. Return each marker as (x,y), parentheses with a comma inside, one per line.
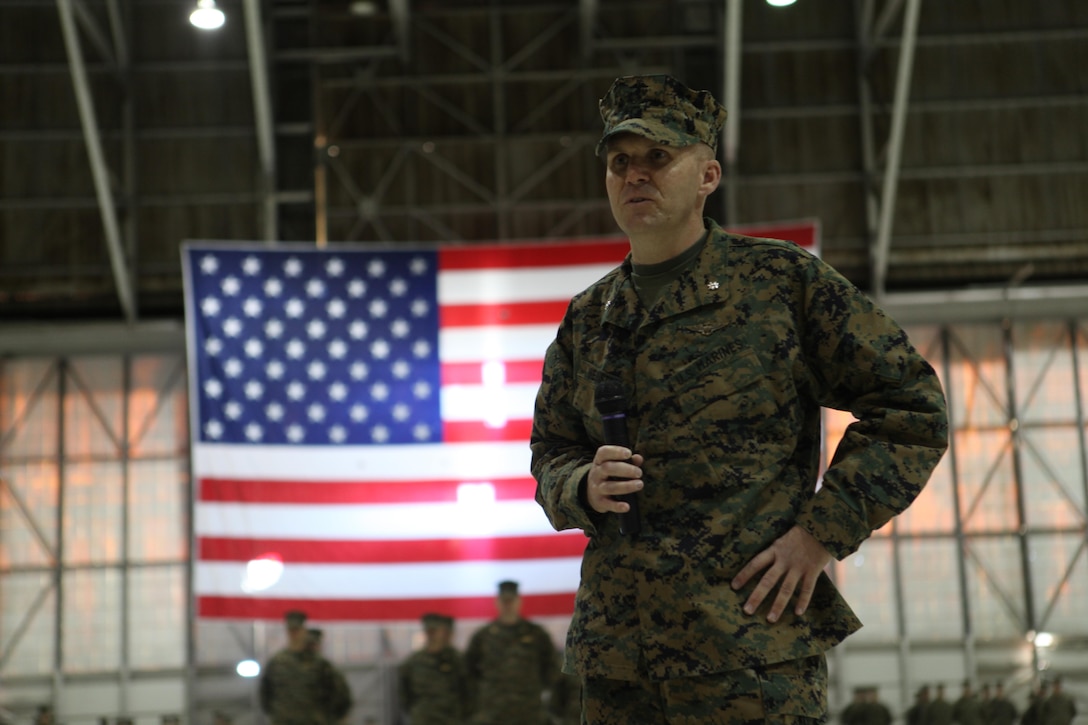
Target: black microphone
(611,403)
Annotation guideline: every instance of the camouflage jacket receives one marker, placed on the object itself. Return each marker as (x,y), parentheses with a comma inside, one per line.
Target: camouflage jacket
(727,374)
(433,687)
(510,666)
(301,688)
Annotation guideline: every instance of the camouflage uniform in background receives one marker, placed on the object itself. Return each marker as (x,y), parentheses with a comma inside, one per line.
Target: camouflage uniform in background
(727,371)
(295,689)
(940,709)
(565,704)
(968,709)
(433,687)
(510,667)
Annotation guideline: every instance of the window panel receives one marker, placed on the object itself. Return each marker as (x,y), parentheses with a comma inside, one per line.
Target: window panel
(93,506)
(27,602)
(35,485)
(1059,574)
(995,587)
(977,387)
(931,588)
(158,412)
(28,409)
(1053,477)
(93,406)
(92,618)
(1043,370)
(157,617)
(866,580)
(985,474)
(158,505)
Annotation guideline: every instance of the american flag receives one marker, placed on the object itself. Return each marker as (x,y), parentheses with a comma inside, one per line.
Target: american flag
(360,425)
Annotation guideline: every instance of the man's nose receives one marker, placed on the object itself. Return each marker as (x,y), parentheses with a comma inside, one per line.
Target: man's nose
(636,172)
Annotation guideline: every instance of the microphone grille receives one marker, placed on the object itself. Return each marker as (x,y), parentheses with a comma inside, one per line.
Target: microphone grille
(610,396)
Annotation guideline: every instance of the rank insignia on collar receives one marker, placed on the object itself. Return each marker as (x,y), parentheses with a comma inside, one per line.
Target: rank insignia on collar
(712,285)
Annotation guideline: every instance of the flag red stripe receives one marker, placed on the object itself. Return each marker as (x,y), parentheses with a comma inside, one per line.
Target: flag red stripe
(390,552)
(517,371)
(509,313)
(351,492)
(563,254)
(387,610)
(468,431)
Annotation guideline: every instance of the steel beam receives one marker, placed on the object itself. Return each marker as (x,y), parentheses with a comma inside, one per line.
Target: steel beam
(400,14)
(587,21)
(262,116)
(731,132)
(97,159)
(895,148)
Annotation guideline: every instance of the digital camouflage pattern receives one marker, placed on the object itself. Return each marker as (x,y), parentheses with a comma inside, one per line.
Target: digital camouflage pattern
(786,693)
(727,374)
(301,688)
(510,667)
(433,687)
(660,108)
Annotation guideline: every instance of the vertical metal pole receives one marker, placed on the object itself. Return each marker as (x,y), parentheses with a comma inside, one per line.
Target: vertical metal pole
(262,114)
(865,107)
(125,673)
(1078,397)
(906,677)
(97,159)
(970,664)
(58,564)
(895,147)
(1018,482)
(731,133)
(498,107)
(321,198)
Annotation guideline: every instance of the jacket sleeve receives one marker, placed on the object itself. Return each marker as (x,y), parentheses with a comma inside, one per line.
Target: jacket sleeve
(861,361)
(562,451)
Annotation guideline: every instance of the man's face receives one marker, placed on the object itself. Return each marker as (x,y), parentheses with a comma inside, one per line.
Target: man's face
(509,605)
(438,636)
(657,188)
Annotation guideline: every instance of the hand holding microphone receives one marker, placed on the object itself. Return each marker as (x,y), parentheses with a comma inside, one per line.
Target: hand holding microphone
(615,479)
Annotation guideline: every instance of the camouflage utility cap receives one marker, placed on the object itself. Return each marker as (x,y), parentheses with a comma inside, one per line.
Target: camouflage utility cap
(662,109)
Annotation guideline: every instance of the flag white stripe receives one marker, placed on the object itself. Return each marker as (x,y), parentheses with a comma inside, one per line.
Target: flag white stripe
(495,286)
(372,522)
(430,462)
(482,344)
(492,404)
(393,581)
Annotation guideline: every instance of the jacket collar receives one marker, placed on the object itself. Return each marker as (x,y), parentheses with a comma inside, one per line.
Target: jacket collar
(707,283)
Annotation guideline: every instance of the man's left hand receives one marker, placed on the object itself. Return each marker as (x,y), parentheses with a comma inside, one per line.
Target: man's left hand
(794,559)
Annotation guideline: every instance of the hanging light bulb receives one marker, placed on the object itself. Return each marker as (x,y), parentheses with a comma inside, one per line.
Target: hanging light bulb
(780,3)
(207,16)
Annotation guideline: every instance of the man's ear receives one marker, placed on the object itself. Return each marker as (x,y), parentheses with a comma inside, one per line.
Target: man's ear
(712,177)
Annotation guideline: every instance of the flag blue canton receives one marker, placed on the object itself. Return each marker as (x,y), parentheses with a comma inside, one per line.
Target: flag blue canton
(315,347)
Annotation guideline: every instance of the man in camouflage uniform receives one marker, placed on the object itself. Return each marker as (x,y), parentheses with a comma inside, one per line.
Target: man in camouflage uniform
(728,346)
(967,710)
(940,709)
(1059,708)
(511,662)
(338,698)
(432,683)
(294,685)
(1002,711)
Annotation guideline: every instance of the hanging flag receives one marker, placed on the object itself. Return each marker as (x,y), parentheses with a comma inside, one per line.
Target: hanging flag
(360,426)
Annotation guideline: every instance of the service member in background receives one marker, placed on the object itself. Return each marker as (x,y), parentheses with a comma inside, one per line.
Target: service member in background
(511,663)
(432,683)
(1002,711)
(940,709)
(968,709)
(1059,708)
(726,346)
(337,698)
(294,687)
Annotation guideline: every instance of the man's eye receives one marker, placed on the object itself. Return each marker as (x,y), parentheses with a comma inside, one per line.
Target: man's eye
(658,155)
(619,162)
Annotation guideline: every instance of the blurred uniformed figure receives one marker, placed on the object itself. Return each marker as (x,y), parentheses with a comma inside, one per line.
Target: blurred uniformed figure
(940,710)
(338,699)
(1033,715)
(1002,711)
(916,713)
(511,662)
(854,713)
(432,683)
(296,683)
(565,704)
(1059,708)
(967,710)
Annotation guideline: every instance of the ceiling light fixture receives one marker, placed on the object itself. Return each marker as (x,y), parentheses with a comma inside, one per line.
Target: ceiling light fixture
(780,3)
(207,16)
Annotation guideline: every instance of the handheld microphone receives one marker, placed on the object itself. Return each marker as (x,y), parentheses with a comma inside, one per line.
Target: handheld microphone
(611,402)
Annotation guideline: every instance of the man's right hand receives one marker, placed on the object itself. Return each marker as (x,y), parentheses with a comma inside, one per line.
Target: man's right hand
(618,463)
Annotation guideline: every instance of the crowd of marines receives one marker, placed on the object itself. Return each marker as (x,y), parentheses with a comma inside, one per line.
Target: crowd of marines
(508,673)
